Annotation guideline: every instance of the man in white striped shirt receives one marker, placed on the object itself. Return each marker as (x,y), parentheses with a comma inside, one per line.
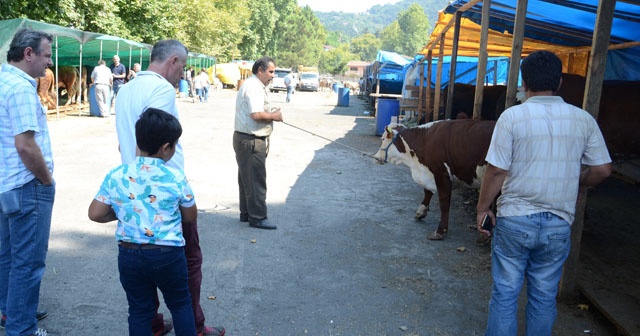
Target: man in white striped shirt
(535,160)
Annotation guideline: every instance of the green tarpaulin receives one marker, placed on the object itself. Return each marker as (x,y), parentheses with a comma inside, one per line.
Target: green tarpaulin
(70,43)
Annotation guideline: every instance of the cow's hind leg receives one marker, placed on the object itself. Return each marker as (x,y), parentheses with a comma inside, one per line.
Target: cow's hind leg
(423,209)
(444,198)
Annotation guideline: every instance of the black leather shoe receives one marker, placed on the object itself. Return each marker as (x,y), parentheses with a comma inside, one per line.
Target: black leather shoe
(244,218)
(263,224)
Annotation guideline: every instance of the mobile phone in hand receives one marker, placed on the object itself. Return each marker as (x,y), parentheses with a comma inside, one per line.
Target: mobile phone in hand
(486,223)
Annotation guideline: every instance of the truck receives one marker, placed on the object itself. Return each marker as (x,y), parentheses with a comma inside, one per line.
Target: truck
(309,81)
(277,83)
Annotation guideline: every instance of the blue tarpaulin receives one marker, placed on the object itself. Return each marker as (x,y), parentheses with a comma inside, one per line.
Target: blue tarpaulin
(467,71)
(570,24)
(390,68)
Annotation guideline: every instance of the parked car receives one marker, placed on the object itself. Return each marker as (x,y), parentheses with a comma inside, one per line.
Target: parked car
(309,81)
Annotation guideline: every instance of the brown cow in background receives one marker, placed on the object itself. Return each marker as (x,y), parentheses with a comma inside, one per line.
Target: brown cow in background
(46,90)
(618,115)
(325,83)
(67,79)
(353,86)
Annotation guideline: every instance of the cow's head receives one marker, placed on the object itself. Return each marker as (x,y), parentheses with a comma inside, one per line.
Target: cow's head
(391,133)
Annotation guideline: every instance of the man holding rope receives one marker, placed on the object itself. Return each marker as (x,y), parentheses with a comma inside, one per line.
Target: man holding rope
(253,126)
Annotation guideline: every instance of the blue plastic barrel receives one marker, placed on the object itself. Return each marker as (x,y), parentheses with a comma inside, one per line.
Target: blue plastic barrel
(343,96)
(335,87)
(387,108)
(94,110)
(183,86)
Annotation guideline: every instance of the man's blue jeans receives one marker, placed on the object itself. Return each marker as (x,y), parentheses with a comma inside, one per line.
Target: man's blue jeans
(534,246)
(25,223)
(290,89)
(141,272)
(116,87)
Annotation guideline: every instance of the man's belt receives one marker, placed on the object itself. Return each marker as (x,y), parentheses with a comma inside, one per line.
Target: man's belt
(252,135)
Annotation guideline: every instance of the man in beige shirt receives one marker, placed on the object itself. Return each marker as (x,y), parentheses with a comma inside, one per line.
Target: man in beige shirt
(253,126)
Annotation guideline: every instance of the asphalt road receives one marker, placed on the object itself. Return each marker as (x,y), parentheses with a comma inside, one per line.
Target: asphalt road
(347,257)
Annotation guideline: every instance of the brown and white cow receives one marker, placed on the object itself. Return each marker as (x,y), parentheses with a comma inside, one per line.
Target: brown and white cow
(438,154)
(68,79)
(46,90)
(353,86)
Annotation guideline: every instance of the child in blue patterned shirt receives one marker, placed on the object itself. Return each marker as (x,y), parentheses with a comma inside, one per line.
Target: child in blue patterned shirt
(150,201)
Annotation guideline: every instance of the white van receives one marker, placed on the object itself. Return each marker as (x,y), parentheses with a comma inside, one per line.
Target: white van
(309,81)
(277,84)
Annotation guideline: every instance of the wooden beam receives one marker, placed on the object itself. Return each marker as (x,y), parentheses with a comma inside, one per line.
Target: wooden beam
(452,65)
(441,37)
(420,85)
(591,103)
(429,98)
(446,28)
(516,51)
(436,102)
(482,59)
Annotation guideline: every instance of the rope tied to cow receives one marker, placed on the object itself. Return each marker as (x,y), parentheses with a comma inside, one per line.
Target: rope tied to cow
(330,140)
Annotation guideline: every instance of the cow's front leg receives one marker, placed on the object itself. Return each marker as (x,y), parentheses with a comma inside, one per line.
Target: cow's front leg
(423,209)
(443,183)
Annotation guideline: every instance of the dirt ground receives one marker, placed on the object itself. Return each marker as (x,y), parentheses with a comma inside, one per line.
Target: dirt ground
(347,258)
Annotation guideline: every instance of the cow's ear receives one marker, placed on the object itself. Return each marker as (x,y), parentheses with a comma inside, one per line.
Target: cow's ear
(389,131)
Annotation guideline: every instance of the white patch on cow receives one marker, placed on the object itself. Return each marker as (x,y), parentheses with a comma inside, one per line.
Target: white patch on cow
(477,181)
(429,124)
(422,211)
(419,172)
(451,177)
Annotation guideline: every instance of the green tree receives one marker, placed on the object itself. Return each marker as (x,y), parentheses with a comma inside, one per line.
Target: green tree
(142,21)
(285,9)
(391,37)
(259,30)
(365,47)
(415,28)
(335,61)
(303,44)
(214,27)
(145,21)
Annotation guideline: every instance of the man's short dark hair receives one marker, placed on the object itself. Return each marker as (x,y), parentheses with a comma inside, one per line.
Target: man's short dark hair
(262,63)
(165,49)
(541,71)
(23,39)
(156,128)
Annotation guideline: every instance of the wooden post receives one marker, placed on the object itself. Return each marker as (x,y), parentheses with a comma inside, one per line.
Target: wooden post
(516,53)
(375,104)
(452,65)
(591,103)
(436,103)
(482,59)
(429,98)
(420,83)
